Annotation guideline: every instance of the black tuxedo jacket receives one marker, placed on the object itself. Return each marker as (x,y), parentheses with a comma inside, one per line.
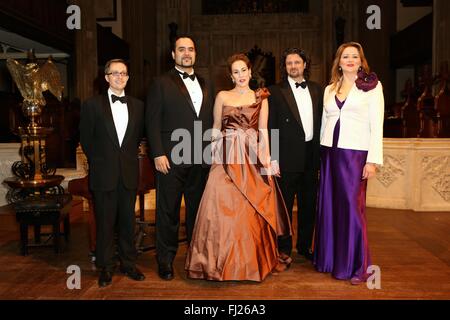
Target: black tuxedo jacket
(284,115)
(169,107)
(107,159)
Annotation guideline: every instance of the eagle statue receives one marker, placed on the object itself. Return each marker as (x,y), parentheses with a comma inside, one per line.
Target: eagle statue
(32,80)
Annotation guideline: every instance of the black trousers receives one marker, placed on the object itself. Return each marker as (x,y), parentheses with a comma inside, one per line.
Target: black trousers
(114,211)
(302,185)
(187,181)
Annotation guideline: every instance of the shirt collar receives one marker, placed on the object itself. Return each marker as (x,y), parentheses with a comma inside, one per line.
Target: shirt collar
(292,82)
(112,93)
(176,68)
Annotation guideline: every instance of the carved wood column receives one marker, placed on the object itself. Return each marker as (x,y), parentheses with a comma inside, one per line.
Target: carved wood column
(347,12)
(174,11)
(441,36)
(377,45)
(133,33)
(150,44)
(344,21)
(85,51)
(328,38)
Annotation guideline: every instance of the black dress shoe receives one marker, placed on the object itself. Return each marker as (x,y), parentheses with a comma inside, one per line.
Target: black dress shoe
(105,278)
(165,271)
(134,274)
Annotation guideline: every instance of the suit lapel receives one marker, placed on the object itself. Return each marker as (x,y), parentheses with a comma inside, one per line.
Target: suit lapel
(289,97)
(180,84)
(128,132)
(109,120)
(205,92)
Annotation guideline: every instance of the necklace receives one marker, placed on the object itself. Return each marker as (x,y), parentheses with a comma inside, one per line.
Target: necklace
(242,91)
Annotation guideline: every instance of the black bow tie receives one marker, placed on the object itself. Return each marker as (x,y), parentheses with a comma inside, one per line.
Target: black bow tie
(186,75)
(115,98)
(302,84)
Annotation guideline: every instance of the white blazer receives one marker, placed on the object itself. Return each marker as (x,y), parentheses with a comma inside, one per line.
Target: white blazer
(361,118)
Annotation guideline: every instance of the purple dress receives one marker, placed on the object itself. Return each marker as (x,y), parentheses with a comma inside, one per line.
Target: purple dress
(340,244)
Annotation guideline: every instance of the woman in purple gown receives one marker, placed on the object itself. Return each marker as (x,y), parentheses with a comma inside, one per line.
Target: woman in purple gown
(351,148)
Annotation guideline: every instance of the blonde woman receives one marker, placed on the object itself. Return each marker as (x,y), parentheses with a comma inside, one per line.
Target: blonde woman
(351,148)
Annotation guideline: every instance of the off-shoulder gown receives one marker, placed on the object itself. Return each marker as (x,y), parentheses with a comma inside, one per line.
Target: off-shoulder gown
(242,210)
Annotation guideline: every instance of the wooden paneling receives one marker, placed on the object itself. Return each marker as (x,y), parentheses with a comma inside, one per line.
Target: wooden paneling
(416,3)
(221,48)
(244,43)
(203,58)
(250,6)
(219,36)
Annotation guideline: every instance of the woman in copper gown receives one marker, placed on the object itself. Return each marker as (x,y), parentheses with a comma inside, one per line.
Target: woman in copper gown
(242,211)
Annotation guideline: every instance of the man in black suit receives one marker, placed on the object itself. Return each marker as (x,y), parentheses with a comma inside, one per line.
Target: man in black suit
(111,127)
(179,104)
(295,109)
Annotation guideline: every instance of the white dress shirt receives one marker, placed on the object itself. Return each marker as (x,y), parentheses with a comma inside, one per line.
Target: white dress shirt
(305,108)
(120,115)
(195,91)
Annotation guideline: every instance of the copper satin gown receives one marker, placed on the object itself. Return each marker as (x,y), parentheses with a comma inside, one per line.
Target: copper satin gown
(241,212)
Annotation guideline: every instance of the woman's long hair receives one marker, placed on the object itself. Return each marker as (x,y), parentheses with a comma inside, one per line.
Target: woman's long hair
(336,71)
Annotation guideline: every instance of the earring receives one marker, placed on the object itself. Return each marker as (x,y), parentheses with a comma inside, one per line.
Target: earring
(360,69)
(232,80)
(340,69)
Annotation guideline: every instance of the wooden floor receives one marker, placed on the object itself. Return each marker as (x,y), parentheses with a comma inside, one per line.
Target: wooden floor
(411,248)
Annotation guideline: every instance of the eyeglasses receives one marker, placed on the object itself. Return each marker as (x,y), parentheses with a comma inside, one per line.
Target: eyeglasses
(116,74)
